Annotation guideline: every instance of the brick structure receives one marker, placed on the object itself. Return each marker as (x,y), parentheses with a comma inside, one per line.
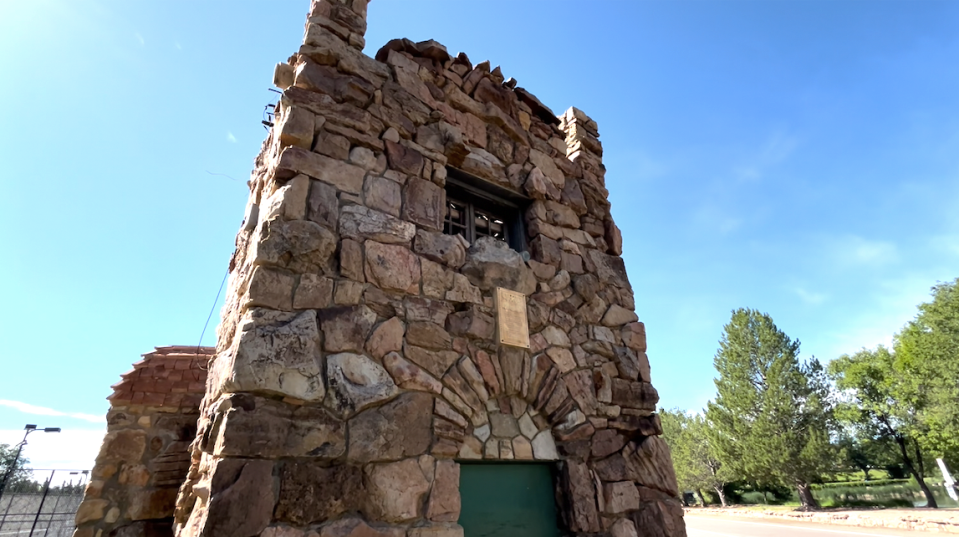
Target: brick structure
(359,359)
(145,455)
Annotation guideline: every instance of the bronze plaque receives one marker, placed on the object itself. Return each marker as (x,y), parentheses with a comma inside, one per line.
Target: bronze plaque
(511,320)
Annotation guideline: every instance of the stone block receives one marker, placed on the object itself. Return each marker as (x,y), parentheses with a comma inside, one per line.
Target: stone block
(271,288)
(351,260)
(392,267)
(409,375)
(313,292)
(299,245)
(618,316)
(342,175)
(650,464)
(311,494)
(638,395)
(242,497)
(289,201)
(383,195)
(401,428)
(404,159)
(273,352)
(90,511)
(620,497)
(471,323)
(428,335)
(634,336)
(361,223)
(123,446)
(583,516)
(322,205)
(439,247)
(660,519)
(356,382)
(437,362)
(395,491)
(424,204)
(345,328)
(295,126)
(491,263)
(386,338)
(444,501)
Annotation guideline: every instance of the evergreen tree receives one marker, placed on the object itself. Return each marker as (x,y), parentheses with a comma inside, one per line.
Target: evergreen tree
(771,418)
(696,467)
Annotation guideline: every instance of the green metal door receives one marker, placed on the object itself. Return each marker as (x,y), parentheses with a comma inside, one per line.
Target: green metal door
(507,500)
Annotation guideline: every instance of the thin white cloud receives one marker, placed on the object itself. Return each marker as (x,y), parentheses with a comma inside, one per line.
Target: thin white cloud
(891,306)
(140,39)
(717,219)
(777,148)
(35,410)
(852,250)
(177,45)
(810,297)
(230,138)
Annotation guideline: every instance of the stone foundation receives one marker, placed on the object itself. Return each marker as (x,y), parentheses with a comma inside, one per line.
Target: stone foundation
(359,356)
(145,455)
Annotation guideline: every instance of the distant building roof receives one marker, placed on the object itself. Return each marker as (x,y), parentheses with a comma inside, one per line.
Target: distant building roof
(173,377)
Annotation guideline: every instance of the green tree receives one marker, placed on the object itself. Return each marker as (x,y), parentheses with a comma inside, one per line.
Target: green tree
(21,474)
(771,418)
(927,367)
(696,467)
(877,402)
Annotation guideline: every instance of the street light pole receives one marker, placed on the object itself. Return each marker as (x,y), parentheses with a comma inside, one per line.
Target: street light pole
(29,428)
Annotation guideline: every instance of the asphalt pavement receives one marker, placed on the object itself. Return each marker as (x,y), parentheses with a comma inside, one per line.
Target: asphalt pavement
(717,526)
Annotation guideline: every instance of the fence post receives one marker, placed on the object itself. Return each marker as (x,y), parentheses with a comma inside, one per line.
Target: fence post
(46,489)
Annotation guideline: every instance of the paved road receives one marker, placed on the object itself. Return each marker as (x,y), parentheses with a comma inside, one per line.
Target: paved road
(716,526)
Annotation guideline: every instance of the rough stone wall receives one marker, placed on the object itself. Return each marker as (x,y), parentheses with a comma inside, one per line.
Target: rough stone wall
(357,357)
(145,454)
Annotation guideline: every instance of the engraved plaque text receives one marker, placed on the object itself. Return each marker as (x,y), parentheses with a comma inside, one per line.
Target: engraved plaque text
(511,320)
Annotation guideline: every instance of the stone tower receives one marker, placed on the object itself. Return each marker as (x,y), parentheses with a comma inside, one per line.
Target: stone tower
(427,275)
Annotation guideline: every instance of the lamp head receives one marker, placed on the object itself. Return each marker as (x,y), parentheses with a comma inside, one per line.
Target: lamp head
(51,430)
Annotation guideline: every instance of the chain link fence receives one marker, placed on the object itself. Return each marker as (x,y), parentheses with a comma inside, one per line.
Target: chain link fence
(44,506)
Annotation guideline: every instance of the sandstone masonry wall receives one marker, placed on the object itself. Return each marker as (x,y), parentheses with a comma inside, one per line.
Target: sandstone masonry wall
(145,454)
(357,357)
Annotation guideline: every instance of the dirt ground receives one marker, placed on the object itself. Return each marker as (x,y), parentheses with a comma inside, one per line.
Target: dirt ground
(919,519)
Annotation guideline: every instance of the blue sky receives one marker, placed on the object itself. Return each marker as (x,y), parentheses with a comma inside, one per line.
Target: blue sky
(797,157)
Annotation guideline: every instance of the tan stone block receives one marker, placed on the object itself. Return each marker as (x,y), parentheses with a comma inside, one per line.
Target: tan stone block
(343,176)
(273,352)
(351,260)
(122,446)
(522,449)
(270,288)
(620,497)
(396,491)
(386,338)
(348,292)
(398,429)
(392,267)
(313,292)
(444,501)
(383,195)
(295,126)
(90,510)
(288,201)
(135,475)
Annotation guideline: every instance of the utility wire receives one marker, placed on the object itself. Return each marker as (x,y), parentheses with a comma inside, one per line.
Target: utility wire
(212,309)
